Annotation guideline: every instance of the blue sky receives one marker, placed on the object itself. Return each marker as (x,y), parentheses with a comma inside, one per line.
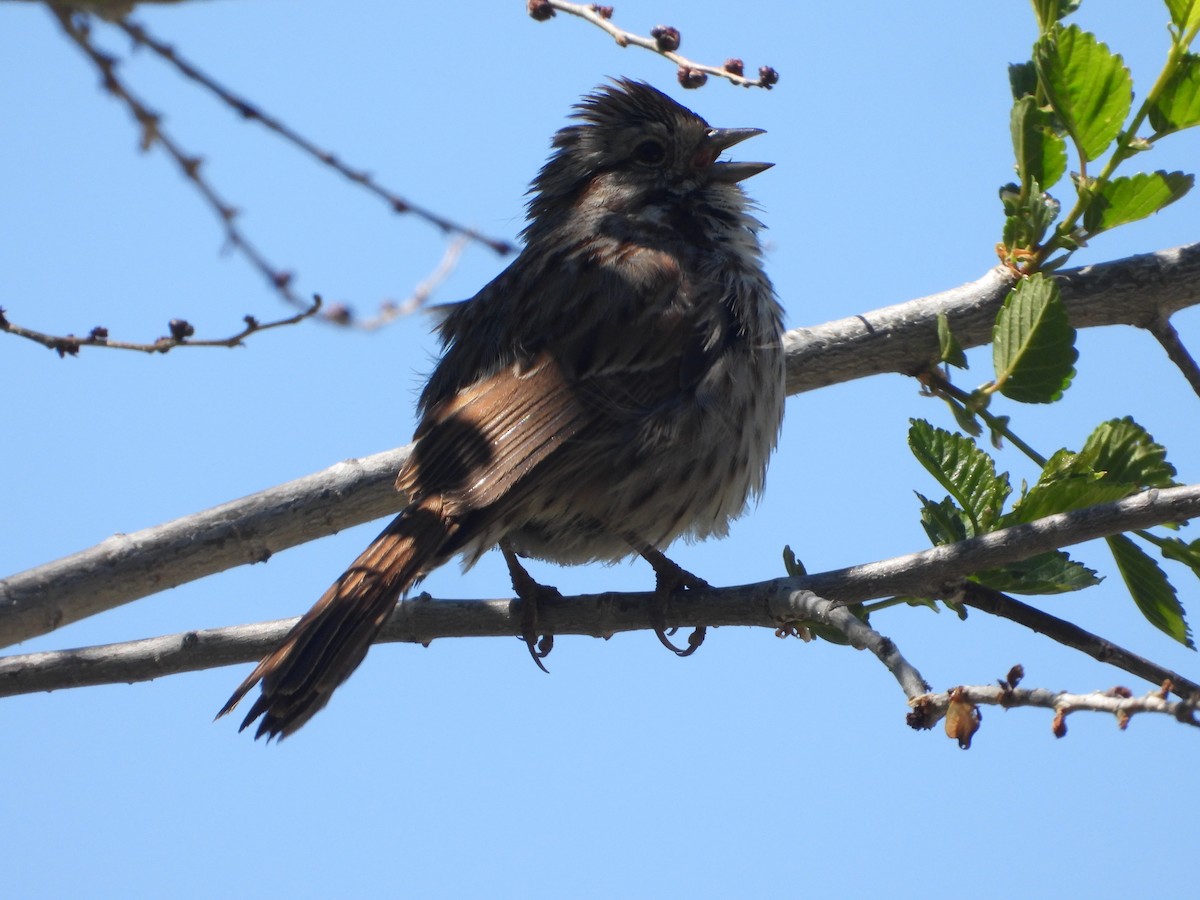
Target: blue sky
(757,767)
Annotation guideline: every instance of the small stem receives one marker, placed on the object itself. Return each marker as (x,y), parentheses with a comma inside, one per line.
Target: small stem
(1165,333)
(941,385)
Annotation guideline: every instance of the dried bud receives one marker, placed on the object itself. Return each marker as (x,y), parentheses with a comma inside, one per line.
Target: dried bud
(691,78)
(962,719)
(604,12)
(181,329)
(540,10)
(281,280)
(339,313)
(767,76)
(735,67)
(1120,691)
(666,37)
(3,321)
(1059,725)
(99,334)
(1015,674)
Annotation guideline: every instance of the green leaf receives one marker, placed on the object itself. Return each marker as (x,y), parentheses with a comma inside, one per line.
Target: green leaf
(1152,592)
(1184,13)
(962,469)
(1047,573)
(1022,79)
(1065,494)
(1088,86)
(944,522)
(1028,218)
(1041,154)
(1033,344)
(1128,199)
(950,351)
(1182,551)
(1178,106)
(791,565)
(1049,10)
(1123,451)
(965,418)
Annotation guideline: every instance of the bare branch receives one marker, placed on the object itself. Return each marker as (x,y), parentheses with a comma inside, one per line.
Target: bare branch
(153,134)
(1165,333)
(995,603)
(931,708)
(181,335)
(422,620)
(663,40)
(247,110)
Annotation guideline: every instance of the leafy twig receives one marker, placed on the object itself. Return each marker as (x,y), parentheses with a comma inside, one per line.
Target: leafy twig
(663,40)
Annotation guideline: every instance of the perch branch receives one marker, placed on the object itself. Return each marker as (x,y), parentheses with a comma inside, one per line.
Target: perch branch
(901,338)
(784,601)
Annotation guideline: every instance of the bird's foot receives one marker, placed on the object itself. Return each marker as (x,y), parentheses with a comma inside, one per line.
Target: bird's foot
(671,579)
(531,594)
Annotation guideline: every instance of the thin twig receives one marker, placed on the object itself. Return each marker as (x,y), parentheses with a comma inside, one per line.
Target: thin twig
(664,40)
(190,166)
(249,111)
(181,335)
(1165,333)
(419,298)
(995,603)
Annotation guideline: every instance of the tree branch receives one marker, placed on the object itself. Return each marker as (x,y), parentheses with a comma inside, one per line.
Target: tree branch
(931,708)
(770,604)
(901,338)
(664,40)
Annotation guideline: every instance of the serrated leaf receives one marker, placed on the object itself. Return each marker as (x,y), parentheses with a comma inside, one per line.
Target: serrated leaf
(962,469)
(1128,199)
(1033,344)
(1178,106)
(1184,552)
(1065,494)
(1047,573)
(950,351)
(944,522)
(1088,86)
(1123,451)
(1152,592)
(1184,13)
(1041,154)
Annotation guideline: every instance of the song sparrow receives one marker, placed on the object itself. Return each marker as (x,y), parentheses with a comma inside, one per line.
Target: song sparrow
(619,385)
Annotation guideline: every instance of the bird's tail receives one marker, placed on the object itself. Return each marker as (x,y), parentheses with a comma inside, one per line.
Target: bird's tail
(331,639)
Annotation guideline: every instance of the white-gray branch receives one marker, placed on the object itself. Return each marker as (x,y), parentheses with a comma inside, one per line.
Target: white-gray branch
(903,338)
(771,604)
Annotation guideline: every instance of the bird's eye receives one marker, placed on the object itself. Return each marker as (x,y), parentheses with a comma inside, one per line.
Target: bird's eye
(650,152)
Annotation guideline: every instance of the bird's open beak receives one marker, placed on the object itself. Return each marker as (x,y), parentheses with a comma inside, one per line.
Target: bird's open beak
(721,139)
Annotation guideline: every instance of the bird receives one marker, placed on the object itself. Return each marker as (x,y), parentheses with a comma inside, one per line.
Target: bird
(618,386)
